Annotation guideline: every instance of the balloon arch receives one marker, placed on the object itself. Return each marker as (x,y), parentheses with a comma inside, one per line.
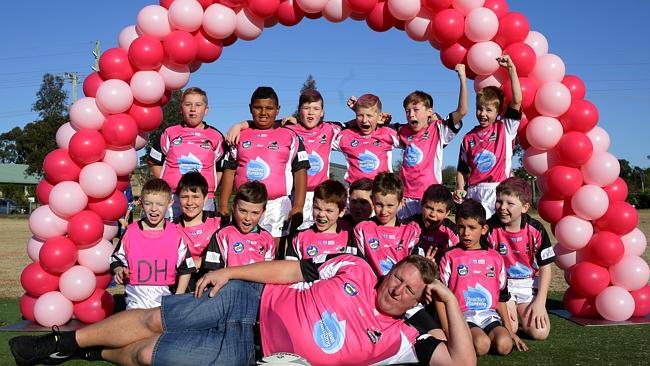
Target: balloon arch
(584,199)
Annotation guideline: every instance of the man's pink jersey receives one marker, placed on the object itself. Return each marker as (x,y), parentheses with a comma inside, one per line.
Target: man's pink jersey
(486,153)
(383,246)
(318,246)
(422,158)
(367,155)
(183,149)
(441,238)
(318,144)
(229,248)
(476,277)
(524,251)
(197,237)
(270,156)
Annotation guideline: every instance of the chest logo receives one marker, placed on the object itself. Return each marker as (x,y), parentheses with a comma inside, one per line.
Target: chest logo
(503,249)
(312,250)
(246,144)
(462,270)
(238,247)
(329,333)
(354,143)
(485,161)
(373,243)
(349,289)
(413,155)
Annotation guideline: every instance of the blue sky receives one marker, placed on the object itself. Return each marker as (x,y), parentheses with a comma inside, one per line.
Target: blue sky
(605,46)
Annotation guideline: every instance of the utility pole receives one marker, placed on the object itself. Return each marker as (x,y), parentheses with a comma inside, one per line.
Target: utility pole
(96,51)
(73,76)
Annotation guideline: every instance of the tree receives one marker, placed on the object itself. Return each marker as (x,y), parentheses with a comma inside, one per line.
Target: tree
(449,176)
(309,84)
(9,153)
(171,116)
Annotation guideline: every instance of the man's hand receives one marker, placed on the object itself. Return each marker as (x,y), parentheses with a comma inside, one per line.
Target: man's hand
(217,279)
(121,274)
(438,291)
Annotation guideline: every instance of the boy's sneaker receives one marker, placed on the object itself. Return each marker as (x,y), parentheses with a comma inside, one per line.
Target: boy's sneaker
(46,349)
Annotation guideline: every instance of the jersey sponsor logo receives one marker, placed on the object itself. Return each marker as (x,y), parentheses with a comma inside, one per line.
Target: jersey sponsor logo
(212,257)
(257,169)
(329,333)
(519,270)
(354,143)
(246,144)
(238,247)
(323,139)
(350,289)
(189,163)
(503,249)
(302,156)
(273,145)
(177,141)
(189,262)
(385,265)
(477,298)
(413,155)
(485,161)
(373,243)
(315,164)
(547,253)
(462,270)
(490,272)
(368,162)
(312,250)
(425,135)
(377,143)
(493,137)
(206,144)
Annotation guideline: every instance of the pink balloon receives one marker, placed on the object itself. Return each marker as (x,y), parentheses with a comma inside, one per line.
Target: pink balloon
(141,140)
(185,15)
(573,233)
(481,24)
(97,258)
(552,99)
(536,161)
(249,26)
(67,198)
(404,9)
(97,180)
(630,273)
(84,113)
(175,76)
(482,81)
(64,134)
(122,161)
(466,6)
(219,21)
(154,21)
(590,202)
(538,42)
(548,67)
(77,283)
(615,304)
(601,170)
(564,258)
(52,308)
(599,139)
(110,230)
(44,224)
(482,58)
(336,10)
(127,36)
(114,96)
(634,242)
(34,247)
(312,6)
(147,87)
(543,132)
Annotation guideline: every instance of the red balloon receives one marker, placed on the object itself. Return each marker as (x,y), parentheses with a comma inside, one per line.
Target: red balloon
(582,116)
(362,6)
(36,281)
(58,166)
(523,56)
(110,208)
(289,13)
(579,305)
(448,26)
(87,146)
(206,3)
(605,248)
(114,64)
(513,27)
(147,117)
(575,148)
(453,55)
(576,86)
(552,209)
(43,191)
(91,83)
(123,182)
(58,254)
(313,15)
(180,47)
(641,301)
(380,19)
(521,133)
(167,96)
(589,279)
(209,49)
(146,53)
(563,181)
(616,191)
(166,3)
(119,130)
(399,24)
(263,8)
(229,41)
(85,229)
(26,305)
(528,91)
(620,218)
(95,308)
(103,280)
(499,7)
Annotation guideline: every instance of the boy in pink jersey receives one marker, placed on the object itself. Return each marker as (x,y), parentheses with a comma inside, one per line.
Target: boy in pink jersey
(438,232)
(152,252)
(526,250)
(360,207)
(192,145)
(384,239)
(195,224)
(243,241)
(476,275)
(485,157)
(273,155)
(325,238)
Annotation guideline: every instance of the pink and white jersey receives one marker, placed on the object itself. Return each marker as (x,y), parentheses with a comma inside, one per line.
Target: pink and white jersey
(383,246)
(269,156)
(441,238)
(318,144)
(523,251)
(184,149)
(422,158)
(367,155)
(230,248)
(317,246)
(476,277)
(486,153)
(333,320)
(197,237)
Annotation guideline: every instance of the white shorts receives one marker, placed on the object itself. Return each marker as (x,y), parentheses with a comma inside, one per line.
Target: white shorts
(524,290)
(486,193)
(411,207)
(175,210)
(307,212)
(482,318)
(275,215)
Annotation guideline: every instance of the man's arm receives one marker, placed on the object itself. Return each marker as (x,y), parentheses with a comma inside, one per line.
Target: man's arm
(227,179)
(462,108)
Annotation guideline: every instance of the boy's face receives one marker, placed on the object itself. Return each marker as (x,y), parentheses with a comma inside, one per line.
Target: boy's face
(194,108)
(367,119)
(417,116)
(486,113)
(469,232)
(509,208)
(311,114)
(247,215)
(361,207)
(433,213)
(155,206)
(191,203)
(386,206)
(264,112)
(326,214)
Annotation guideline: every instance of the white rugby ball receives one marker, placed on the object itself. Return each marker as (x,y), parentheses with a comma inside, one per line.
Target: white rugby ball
(283,358)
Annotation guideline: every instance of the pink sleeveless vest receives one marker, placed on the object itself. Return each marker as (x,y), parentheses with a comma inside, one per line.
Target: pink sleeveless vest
(152,261)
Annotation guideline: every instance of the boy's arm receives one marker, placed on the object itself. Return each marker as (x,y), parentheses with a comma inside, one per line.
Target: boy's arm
(232,136)
(517,97)
(462,108)
(300,190)
(183,282)
(502,310)
(442,316)
(536,312)
(459,192)
(227,179)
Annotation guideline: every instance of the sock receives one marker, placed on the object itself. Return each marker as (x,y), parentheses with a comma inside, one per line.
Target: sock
(68,342)
(91,354)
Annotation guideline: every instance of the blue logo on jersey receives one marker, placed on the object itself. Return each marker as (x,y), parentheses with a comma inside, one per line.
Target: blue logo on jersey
(312,250)
(246,144)
(503,248)
(315,164)
(373,243)
(189,163)
(462,270)
(257,169)
(329,333)
(385,265)
(519,270)
(477,298)
(238,247)
(485,161)
(350,289)
(413,155)
(368,162)
(354,143)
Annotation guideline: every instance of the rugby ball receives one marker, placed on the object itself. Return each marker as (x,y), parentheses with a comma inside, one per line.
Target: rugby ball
(283,358)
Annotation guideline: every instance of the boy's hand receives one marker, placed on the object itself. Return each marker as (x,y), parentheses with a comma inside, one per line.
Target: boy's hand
(217,279)
(521,346)
(536,315)
(431,253)
(505,61)
(460,69)
(232,136)
(384,118)
(352,101)
(291,120)
(459,195)
(438,291)
(121,274)
(294,219)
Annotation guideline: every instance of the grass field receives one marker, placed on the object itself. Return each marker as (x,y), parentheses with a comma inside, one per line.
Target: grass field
(568,344)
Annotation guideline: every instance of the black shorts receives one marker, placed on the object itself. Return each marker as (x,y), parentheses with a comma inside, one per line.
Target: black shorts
(488,328)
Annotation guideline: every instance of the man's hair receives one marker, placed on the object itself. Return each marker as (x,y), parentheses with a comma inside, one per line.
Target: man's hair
(264,92)
(388,183)
(490,95)
(362,184)
(332,191)
(252,192)
(193,182)
(427,268)
(310,96)
(471,210)
(518,187)
(419,96)
(438,193)
(368,101)
(195,90)
(156,186)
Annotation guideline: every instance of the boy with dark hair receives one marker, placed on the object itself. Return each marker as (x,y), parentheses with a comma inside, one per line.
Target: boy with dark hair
(360,207)
(527,252)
